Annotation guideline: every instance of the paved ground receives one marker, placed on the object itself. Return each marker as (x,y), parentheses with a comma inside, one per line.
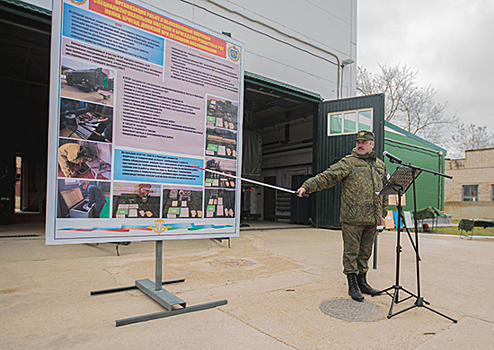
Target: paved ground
(274,280)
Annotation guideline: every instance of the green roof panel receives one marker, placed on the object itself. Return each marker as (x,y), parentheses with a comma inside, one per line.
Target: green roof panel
(286,88)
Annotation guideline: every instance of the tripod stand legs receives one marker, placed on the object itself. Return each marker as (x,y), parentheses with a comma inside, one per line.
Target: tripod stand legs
(419,302)
(396,297)
(402,179)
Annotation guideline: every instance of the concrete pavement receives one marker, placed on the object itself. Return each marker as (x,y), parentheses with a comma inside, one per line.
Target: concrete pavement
(274,280)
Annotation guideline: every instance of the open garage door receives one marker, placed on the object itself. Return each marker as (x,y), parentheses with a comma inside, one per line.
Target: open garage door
(24,75)
(278,139)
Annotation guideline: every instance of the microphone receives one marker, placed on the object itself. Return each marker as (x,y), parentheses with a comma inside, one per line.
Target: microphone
(392,158)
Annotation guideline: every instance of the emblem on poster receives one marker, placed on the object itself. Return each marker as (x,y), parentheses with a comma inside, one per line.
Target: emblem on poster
(78,2)
(233,53)
(159,226)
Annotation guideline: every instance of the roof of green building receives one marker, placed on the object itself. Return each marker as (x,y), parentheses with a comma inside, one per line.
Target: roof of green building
(259,79)
(27,6)
(402,135)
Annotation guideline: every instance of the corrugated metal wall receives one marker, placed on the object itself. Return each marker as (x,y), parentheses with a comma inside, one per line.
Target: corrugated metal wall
(430,187)
(328,150)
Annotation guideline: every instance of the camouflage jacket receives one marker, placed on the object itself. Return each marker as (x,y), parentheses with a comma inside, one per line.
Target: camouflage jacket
(360,205)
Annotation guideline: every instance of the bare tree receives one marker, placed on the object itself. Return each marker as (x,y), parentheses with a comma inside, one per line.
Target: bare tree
(415,110)
(407,105)
(469,137)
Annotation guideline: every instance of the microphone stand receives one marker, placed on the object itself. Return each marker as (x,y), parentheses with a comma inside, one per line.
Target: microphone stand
(400,190)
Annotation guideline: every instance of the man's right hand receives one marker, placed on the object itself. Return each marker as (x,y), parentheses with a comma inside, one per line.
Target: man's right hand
(300,191)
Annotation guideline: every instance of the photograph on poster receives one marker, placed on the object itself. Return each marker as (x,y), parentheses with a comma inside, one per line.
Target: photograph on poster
(83,199)
(86,121)
(84,159)
(222,113)
(219,203)
(226,166)
(221,143)
(136,200)
(82,80)
(182,202)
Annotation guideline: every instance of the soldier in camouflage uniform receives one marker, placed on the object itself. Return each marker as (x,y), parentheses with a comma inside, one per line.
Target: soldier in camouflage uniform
(362,176)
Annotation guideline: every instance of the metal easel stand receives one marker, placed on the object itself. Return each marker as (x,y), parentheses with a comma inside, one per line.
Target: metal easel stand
(399,183)
(156,292)
(220,240)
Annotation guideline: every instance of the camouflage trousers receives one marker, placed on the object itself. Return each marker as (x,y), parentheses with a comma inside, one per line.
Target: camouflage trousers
(357,248)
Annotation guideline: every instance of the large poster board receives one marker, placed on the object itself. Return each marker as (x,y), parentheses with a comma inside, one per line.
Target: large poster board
(140,99)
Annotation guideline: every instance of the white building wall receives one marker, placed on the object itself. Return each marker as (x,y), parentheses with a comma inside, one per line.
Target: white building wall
(298,42)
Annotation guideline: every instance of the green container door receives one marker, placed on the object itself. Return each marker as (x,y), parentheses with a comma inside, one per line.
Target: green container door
(335,129)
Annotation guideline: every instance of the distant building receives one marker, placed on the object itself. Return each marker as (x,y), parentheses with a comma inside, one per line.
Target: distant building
(470,194)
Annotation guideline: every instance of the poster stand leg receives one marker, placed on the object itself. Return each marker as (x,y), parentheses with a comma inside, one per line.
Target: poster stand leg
(220,240)
(156,292)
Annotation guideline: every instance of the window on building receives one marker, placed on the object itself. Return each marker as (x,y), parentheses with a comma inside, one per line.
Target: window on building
(492,192)
(470,193)
(365,120)
(335,124)
(349,122)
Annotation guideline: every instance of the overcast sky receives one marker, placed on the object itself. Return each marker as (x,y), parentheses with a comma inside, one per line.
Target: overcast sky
(449,42)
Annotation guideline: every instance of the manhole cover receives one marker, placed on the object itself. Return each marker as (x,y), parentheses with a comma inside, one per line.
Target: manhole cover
(351,310)
(232,262)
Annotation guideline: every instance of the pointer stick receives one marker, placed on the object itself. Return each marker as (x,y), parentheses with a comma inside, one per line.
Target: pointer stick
(251,181)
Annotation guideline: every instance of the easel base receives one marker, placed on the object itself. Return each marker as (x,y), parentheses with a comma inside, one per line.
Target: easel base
(164,314)
(162,297)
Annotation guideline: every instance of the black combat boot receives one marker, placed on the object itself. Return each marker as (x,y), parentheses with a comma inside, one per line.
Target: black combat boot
(353,289)
(364,286)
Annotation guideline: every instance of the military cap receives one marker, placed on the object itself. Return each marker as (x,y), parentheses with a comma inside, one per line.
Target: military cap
(365,135)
